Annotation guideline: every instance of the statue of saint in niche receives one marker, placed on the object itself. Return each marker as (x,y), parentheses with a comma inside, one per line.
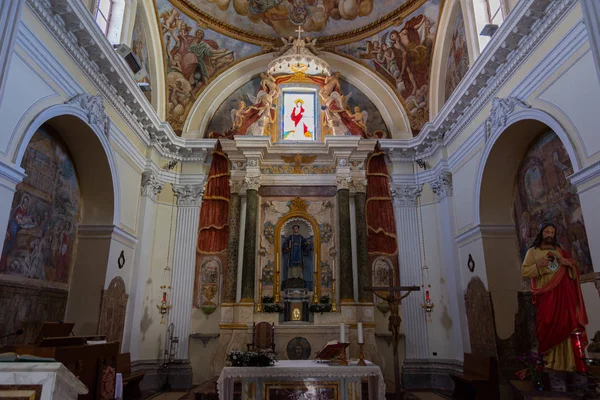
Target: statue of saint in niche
(297,255)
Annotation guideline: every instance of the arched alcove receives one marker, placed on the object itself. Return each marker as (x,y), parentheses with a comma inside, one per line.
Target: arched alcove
(92,161)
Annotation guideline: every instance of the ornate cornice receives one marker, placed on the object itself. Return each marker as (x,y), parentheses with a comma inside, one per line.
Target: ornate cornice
(93,106)
(253,182)
(343,182)
(527,25)
(501,110)
(73,26)
(188,195)
(151,186)
(406,195)
(442,185)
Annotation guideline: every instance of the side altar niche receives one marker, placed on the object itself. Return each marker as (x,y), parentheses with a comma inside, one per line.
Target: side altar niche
(294,272)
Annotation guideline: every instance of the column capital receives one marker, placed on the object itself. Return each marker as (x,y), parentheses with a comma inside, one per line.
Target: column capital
(151,186)
(406,195)
(442,185)
(235,186)
(359,185)
(343,182)
(188,195)
(253,182)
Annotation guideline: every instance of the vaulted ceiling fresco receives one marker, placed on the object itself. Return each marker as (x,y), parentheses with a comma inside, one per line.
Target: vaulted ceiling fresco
(203,38)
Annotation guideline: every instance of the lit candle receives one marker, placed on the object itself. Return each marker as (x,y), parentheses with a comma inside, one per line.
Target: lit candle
(342,333)
(164,296)
(427,295)
(361,339)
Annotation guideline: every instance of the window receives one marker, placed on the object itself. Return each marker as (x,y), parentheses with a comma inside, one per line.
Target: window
(489,14)
(103,15)
(298,122)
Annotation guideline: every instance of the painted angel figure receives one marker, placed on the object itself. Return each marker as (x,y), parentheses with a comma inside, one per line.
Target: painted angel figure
(268,82)
(360,117)
(262,102)
(237,115)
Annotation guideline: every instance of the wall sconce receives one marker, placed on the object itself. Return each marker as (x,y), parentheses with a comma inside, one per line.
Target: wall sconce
(429,305)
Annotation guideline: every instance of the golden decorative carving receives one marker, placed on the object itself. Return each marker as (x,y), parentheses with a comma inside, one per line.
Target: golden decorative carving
(298,160)
(298,205)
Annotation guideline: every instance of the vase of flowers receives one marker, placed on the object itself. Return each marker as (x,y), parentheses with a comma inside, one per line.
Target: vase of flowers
(535,366)
(258,358)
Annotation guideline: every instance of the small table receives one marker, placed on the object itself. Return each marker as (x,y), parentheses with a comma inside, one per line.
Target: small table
(302,376)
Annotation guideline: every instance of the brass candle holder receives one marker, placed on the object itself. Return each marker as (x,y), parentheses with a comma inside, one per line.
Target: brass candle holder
(259,306)
(333,303)
(277,277)
(361,356)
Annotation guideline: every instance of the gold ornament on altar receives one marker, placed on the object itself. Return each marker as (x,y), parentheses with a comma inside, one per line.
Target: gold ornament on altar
(298,160)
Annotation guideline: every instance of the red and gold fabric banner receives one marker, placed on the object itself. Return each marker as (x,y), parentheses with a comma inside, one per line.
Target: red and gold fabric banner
(213,231)
(381,224)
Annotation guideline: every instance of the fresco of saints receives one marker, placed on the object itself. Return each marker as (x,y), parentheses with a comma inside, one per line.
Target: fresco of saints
(301,131)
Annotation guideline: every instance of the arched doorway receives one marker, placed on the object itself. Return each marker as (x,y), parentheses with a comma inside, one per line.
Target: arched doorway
(523,173)
(60,225)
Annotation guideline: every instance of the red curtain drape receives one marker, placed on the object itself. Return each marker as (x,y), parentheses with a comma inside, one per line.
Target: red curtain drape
(380,209)
(213,232)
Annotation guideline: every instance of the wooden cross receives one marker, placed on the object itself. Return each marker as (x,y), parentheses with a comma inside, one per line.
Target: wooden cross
(394,321)
(299,30)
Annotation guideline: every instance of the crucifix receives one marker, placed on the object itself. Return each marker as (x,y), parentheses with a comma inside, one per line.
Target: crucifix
(299,30)
(393,299)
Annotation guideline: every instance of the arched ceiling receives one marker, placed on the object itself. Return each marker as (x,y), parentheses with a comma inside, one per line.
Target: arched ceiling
(264,21)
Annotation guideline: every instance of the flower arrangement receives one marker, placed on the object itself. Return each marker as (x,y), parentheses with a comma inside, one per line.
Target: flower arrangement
(270,306)
(535,366)
(322,306)
(259,358)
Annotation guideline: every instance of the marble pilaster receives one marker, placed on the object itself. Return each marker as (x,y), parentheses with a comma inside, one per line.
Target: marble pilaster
(249,265)
(345,265)
(409,258)
(362,255)
(189,198)
(10,16)
(150,187)
(442,188)
(232,246)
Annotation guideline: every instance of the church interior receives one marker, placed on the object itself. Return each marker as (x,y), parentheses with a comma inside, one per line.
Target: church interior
(300,199)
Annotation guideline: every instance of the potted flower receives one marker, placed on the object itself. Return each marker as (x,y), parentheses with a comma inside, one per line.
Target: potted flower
(535,366)
(259,358)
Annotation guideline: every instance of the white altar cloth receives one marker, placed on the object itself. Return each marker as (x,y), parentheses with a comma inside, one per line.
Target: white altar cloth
(297,370)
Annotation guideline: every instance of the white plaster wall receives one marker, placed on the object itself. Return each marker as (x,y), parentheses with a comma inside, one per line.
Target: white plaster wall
(16,102)
(590,199)
(577,94)
(592,305)
(463,180)
(129,183)
(475,248)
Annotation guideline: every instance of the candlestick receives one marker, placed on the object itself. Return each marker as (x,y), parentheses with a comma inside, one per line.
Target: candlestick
(342,333)
(361,356)
(361,339)
(333,303)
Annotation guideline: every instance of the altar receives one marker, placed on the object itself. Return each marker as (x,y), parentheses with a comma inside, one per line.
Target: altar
(302,379)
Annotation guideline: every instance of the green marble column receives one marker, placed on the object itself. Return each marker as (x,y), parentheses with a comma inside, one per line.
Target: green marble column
(346,281)
(232,247)
(249,266)
(362,255)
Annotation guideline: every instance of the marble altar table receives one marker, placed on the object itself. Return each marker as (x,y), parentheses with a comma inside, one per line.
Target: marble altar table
(28,379)
(290,379)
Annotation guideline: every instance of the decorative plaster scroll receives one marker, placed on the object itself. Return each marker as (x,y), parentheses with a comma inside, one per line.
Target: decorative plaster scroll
(406,195)
(442,185)
(253,182)
(188,195)
(343,182)
(151,186)
(501,110)
(94,108)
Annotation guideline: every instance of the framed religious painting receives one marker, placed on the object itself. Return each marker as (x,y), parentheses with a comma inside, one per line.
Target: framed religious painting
(299,115)
(322,390)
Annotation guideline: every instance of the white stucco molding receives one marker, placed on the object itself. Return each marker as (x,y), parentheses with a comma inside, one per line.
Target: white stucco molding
(511,118)
(11,175)
(10,14)
(591,14)
(587,178)
(93,106)
(502,109)
(83,114)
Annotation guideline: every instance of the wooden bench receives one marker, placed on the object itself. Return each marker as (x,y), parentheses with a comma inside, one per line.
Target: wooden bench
(131,380)
(479,380)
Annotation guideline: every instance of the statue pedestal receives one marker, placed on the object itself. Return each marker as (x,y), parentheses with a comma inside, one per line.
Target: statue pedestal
(296,302)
